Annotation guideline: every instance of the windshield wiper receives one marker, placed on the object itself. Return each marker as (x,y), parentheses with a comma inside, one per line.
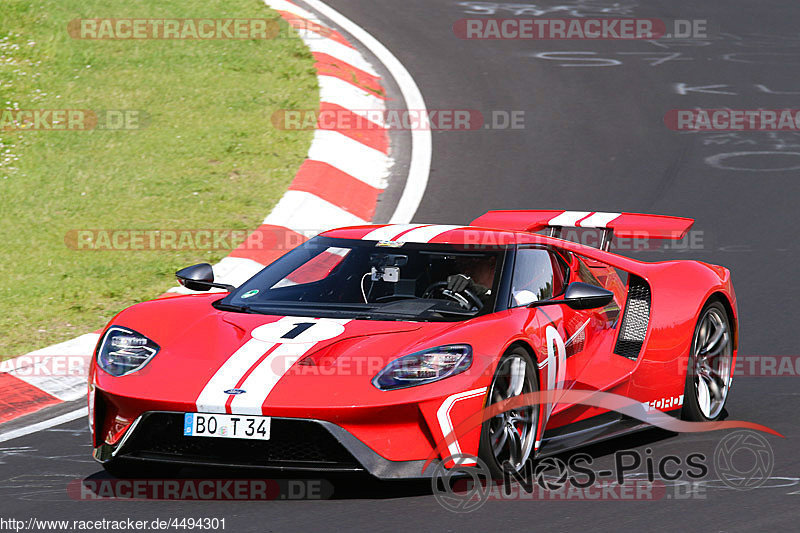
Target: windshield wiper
(232,308)
(453,312)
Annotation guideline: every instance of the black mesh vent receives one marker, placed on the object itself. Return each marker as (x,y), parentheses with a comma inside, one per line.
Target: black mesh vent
(298,443)
(637,316)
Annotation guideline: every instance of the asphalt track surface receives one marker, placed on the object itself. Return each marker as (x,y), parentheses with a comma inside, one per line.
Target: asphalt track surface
(594,139)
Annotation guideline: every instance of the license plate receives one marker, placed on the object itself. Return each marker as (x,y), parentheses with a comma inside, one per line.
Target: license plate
(226,426)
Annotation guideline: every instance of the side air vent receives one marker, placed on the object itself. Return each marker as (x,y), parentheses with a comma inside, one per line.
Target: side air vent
(634,323)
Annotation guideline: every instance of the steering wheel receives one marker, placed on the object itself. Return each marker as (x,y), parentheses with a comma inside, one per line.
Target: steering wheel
(465,298)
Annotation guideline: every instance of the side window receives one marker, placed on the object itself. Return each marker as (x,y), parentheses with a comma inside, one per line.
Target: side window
(533,276)
(606,276)
(603,275)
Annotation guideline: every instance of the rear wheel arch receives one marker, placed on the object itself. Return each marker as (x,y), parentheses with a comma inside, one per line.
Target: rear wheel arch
(702,401)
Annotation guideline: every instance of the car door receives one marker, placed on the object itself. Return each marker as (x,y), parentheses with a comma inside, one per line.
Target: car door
(541,274)
(576,345)
(592,332)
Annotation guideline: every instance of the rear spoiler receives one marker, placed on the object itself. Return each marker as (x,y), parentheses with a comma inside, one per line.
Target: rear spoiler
(619,224)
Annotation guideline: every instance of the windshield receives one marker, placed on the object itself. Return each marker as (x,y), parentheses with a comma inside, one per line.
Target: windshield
(382,281)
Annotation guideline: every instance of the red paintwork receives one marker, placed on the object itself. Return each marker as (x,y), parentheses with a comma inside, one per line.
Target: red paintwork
(624,225)
(328,383)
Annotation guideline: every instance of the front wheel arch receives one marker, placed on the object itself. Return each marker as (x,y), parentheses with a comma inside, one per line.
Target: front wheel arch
(518,349)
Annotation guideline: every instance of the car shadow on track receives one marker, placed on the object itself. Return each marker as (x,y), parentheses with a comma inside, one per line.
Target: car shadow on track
(282,486)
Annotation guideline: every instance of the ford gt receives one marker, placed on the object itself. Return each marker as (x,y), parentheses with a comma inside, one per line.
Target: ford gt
(362,349)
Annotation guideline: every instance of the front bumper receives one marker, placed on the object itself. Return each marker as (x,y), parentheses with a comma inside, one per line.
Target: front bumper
(295,445)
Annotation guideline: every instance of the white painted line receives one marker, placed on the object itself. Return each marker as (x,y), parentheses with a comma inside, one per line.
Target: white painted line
(443,415)
(305,213)
(422,144)
(45,424)
(351,157)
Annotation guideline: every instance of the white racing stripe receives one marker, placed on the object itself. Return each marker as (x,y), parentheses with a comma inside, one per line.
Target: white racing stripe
(599,220)
(291,338)
(212,399)
(426,233)
(293,344)
(568,218)
(387,233)
(264,378)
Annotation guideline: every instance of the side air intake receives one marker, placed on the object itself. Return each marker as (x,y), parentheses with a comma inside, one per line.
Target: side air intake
(636,319)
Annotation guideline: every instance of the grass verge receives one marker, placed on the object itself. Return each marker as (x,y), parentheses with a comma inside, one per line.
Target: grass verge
(203,155)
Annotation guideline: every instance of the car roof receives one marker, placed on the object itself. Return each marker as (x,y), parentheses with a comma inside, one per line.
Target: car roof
(475,236)
(436,234)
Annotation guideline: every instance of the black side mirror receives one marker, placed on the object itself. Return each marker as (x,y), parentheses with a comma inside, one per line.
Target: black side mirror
(199,277)
(585,296)
(581,296)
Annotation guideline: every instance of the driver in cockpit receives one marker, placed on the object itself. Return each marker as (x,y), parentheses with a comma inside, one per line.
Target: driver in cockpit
(475,274)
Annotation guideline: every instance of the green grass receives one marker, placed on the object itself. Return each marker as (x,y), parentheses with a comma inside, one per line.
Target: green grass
(207,158)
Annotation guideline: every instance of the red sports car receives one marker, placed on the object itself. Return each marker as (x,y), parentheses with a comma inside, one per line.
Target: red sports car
(365,347)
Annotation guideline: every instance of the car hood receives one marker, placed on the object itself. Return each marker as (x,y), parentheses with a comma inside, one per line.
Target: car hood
(204,348)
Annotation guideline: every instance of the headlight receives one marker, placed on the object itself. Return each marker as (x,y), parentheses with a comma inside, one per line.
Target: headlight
(124,351)
(423,367)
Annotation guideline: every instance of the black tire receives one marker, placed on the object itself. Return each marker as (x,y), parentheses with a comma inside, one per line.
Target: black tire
(717,380)
(120,468)
(491,428)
